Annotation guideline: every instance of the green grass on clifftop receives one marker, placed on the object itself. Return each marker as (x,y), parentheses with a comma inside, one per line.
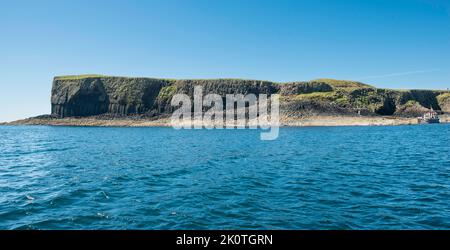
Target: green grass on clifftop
(78,77)
(86,76)
(343,83)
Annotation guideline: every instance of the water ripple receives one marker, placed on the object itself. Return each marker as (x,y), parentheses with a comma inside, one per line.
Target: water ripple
(160,178)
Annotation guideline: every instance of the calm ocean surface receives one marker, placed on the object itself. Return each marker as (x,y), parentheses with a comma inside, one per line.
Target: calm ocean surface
(161,178)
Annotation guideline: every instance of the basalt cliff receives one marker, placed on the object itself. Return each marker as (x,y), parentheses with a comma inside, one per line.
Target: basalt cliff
(90,95)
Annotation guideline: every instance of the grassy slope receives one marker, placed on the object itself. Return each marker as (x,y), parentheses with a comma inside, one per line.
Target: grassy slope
(343,83)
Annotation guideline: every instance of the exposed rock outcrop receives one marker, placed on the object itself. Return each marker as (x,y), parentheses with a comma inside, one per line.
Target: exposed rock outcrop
(296,88)
(85,96)
(411,109)
(444,102)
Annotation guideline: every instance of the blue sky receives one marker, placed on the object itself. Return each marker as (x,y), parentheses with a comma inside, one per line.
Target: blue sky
(393,44)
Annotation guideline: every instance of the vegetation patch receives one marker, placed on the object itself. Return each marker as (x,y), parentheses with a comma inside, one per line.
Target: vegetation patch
(335,97)
(166,93)
(78,77)
(445,97)
(343,83)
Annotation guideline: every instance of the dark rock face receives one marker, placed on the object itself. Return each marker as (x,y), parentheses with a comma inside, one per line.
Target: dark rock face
(125,96)
(426,98)
(296,88)
(95,95)
(227,86)
(80,98)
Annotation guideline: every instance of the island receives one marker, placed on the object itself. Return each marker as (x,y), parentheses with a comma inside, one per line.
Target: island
(98,100)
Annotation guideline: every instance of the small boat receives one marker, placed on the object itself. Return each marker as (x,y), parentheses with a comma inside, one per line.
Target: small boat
(429,117)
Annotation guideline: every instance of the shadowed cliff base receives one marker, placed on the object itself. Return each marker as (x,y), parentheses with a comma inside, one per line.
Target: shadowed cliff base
(126,101)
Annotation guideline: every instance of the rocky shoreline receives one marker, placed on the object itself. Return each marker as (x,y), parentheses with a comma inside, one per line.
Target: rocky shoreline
(133,121)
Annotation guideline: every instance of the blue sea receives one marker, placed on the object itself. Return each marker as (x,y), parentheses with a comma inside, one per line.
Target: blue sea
(162,178)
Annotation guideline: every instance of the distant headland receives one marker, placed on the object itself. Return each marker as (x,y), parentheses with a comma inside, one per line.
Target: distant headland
(97,100)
